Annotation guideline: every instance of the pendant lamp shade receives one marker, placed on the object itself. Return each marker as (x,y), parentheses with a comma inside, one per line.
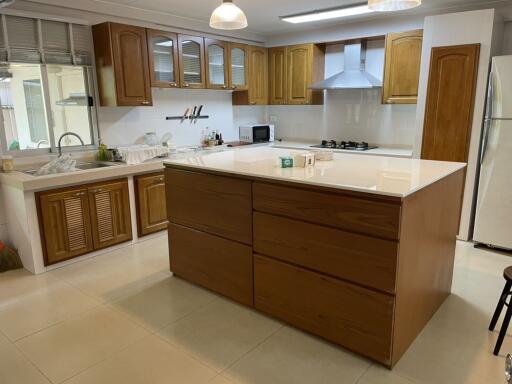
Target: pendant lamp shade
(392,5)
(228,16)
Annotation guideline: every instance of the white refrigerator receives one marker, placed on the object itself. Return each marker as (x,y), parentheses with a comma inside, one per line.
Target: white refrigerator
(493,220)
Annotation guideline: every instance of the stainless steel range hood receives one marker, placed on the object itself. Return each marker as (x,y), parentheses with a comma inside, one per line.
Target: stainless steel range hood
(354,75)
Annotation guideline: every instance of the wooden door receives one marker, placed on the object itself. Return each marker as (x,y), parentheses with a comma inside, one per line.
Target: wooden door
(258,76)
(450,101)
(191,61)
(239,66)
(151,210)
(217,62)
(402,67)
(110,213)
(65,224)
(277,75)
(131,68)
(163,58)
(299,74)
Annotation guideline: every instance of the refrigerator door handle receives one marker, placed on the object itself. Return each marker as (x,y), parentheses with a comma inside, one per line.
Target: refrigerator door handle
(487,124)
(490,94)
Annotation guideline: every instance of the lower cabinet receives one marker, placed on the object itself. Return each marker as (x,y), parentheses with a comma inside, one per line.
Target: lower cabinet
(151,207)
(77,220)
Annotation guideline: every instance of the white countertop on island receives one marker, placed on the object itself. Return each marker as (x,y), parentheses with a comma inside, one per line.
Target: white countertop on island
(391,176)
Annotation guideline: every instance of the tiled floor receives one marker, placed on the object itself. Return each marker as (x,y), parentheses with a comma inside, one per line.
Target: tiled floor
(122,318)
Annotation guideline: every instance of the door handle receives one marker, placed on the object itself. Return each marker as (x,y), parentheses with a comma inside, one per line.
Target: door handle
(485,139)
(145,102)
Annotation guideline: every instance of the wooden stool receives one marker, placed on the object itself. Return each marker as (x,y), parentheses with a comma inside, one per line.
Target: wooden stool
(507,274)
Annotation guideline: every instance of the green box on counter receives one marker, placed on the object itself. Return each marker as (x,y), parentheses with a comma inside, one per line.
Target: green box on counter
(286,161)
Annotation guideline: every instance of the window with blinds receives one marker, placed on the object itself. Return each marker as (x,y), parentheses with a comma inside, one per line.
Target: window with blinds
(238,66)
(191,53)
(29,40)
(216,64)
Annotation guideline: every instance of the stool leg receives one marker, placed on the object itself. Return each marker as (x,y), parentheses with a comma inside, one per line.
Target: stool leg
(503,330)
(500,305)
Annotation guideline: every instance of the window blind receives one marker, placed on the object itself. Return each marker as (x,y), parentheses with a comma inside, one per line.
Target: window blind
(29,40)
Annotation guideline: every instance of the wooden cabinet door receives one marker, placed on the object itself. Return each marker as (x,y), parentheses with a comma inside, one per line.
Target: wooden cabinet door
(217,62)
(65,224)
(110,213)
(131,68)
(299,74)
(163,58)
(239,66)
(278,74)
(450,101)
(402,67)
(151,210)
(258,76)
(191,61)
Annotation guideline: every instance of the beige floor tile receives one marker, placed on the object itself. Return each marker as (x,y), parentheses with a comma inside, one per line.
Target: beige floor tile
(379,375)
(163,301)
(293,357)
(109,279)
(43,308)
(16,368)
(148,361)
(73,345)
(219,380)
(19,284)
(220,333)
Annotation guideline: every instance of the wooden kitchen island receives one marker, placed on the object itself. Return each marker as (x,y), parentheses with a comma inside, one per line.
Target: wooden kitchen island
(358,250)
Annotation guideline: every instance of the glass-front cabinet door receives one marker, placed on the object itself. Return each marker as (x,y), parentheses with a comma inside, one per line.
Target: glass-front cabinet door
(217,64)
(191,63)
(239,63)
(163,58)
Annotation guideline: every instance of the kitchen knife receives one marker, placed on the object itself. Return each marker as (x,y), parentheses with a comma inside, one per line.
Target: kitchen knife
(185,115)
(198,113)
(193,114)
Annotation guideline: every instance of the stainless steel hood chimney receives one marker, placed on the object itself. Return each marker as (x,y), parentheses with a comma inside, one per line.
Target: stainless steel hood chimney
(354,75)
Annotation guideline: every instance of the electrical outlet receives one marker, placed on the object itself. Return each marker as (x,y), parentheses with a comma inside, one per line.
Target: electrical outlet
(272,118)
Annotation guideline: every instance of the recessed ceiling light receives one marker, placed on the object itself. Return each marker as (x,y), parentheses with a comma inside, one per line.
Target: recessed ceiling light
(330,13)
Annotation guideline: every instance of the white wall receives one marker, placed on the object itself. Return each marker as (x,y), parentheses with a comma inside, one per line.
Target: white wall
(452,29)
(507,40)
(125,125)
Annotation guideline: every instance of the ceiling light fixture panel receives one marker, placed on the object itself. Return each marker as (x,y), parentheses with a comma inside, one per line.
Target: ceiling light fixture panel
(228,16)
(326,14)
(392,5)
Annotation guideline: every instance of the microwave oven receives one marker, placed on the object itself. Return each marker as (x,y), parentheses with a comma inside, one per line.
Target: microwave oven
(257,133)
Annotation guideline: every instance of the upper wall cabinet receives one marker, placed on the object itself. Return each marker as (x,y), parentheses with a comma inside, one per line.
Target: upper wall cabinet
(191,61)
(122,65)
(163,58)
(292,70)
(257,92)
(239,66)
(402,67)
(217,64)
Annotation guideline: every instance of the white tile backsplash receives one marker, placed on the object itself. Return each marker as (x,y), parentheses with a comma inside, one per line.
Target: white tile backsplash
(127,125)
(350,114)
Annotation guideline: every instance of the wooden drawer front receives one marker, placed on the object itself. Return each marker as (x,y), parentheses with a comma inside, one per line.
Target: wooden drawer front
(354,317)
(220,265)
(214,204)
(361,259)
(345,212)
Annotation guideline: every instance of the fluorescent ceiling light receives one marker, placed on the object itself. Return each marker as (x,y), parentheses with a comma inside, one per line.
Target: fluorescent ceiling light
(392,5)
(325,14)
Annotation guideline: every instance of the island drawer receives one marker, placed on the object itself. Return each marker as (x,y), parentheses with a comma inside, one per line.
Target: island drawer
(354,317)
(220,265)
(215,204)
(372,217)
(364,260)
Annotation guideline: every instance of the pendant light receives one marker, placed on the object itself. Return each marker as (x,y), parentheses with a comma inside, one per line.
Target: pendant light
(228,16)
(392,5)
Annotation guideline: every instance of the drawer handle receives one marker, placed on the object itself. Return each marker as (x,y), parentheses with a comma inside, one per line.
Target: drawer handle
(161,178)
(78,194)
(145,102)
(173,84)
(186,85)
(98,190)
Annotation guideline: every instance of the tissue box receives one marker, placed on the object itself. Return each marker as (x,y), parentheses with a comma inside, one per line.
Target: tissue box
(286,162)
(304,160)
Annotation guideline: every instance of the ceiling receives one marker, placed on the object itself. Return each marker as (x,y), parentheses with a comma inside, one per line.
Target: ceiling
(263,15)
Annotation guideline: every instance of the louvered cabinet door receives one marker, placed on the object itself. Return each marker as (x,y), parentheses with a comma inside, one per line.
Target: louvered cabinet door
(66,229)
(151,204)
(110,213)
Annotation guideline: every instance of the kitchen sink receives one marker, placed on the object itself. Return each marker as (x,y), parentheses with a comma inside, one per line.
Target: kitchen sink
(79,165)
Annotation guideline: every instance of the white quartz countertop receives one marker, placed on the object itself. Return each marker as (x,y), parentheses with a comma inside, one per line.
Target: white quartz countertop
(381,175)
(391,151)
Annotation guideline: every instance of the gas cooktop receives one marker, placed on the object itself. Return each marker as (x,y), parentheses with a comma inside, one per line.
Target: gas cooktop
(347,145)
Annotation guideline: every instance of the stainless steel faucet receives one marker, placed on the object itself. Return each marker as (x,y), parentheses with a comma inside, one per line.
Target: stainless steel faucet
(68,134)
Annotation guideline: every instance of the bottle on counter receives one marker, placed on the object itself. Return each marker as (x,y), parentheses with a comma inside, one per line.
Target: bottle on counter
(7,163)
